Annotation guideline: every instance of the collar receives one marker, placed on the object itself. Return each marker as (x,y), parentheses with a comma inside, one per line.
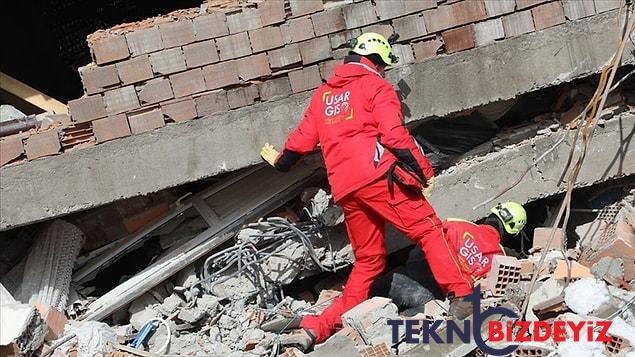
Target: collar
(362,61)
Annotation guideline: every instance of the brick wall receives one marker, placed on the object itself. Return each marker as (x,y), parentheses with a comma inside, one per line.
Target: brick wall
(189,64)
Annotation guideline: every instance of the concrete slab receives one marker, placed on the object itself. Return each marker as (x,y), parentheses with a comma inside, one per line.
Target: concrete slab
(54,186)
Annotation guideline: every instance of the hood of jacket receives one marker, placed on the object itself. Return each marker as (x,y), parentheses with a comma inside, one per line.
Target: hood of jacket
(353,68)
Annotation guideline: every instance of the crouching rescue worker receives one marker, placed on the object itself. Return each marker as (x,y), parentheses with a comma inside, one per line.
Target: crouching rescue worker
(377,173)
(409,285)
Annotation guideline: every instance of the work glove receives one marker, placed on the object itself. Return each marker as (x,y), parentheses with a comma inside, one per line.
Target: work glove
(269,154)
(427,191)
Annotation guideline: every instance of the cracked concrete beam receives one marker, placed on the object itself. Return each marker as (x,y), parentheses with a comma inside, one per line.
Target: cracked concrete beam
(177,154)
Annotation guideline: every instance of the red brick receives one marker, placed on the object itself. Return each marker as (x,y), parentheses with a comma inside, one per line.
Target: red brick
(200,53)
(458,39)
(168,61)
(410,27)
(541,238)
(305,79)
(253,67)
(121,100)
(109,49)
(113,127)
(518,23)
(210,26)
(247,19)
(272,12)
(276,87)
(523,4)
(188,82)
(339,39)
(233,46)
(242,96)
(144,41)
(419,5)
(146,121)
(87,108)
(154,91)
(360,14)
(383,29)
(98,78)
(212,102)
(265,38)
(177,33)
(296,30)
(315,50)
(179,110)
(285,56)
(327,67)
(548,15)
(606,5)
(42,144)
(427,48)
(11,148)
(453,15)
(55,321)
(329,21)
(577,9)
(499,7)
(135,70)
(220,75)
(305,7)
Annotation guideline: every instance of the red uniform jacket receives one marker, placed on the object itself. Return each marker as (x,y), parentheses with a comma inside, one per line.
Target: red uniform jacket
(355,117)
(474,244)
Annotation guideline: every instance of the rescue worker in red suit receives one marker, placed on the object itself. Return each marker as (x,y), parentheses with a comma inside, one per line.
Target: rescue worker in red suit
(409,285)
(376,171)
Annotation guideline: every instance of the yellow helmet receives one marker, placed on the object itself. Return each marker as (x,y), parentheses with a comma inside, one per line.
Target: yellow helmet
(513,216)
(370,43)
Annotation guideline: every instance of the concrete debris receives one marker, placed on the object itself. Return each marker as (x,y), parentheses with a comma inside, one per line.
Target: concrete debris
(23,330)
(5,296)
(369,319)
(586,295)
(49,265)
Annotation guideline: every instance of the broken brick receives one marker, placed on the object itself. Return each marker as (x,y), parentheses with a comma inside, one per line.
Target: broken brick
(518,23)
(233,46)
(360,14)
(453,15)
(179,110)
(177,33)
(458,39)
(265,38)
(55,321)
(144,41)
(188,82)
(577,271)
(504,271)
(410,27)
(146,121)
(42,144)
(276,87)
(285,56)
(96,79)
(87,108)
(11,148)
(109,49)
(427,48)
(210,26)
(271,12)
(245,20)
(212,102)
(499,7)
(200,53)
(352,335)
(296,30)
(135,70)
(305,7)
(220,75)
(329,21)
(121,100)
(112,127)
(404,54)
(154,91)
(577,9)
(380,350)
(253,67)
(242,96)
(168,61)
(541,238)
(488,31)
(305,79)
(339,39)
(548,15)
(315,50)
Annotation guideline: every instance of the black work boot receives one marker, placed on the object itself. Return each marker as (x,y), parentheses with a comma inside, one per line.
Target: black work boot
(302,339)
(460,308)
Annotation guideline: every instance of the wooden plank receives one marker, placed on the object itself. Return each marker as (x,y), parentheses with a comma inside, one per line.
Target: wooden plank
(32,95)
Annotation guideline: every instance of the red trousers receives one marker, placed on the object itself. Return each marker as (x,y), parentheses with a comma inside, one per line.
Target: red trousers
(366,212)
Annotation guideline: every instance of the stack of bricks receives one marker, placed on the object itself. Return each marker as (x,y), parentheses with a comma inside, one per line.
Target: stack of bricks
(177,68)
(505,271)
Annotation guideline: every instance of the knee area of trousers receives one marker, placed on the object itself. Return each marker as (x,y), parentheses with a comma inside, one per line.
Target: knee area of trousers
(378,261)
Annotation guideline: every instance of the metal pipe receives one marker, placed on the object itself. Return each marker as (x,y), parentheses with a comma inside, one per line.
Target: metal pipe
(15,126)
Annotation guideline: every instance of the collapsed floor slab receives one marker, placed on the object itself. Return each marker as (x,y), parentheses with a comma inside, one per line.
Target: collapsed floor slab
(224,142)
